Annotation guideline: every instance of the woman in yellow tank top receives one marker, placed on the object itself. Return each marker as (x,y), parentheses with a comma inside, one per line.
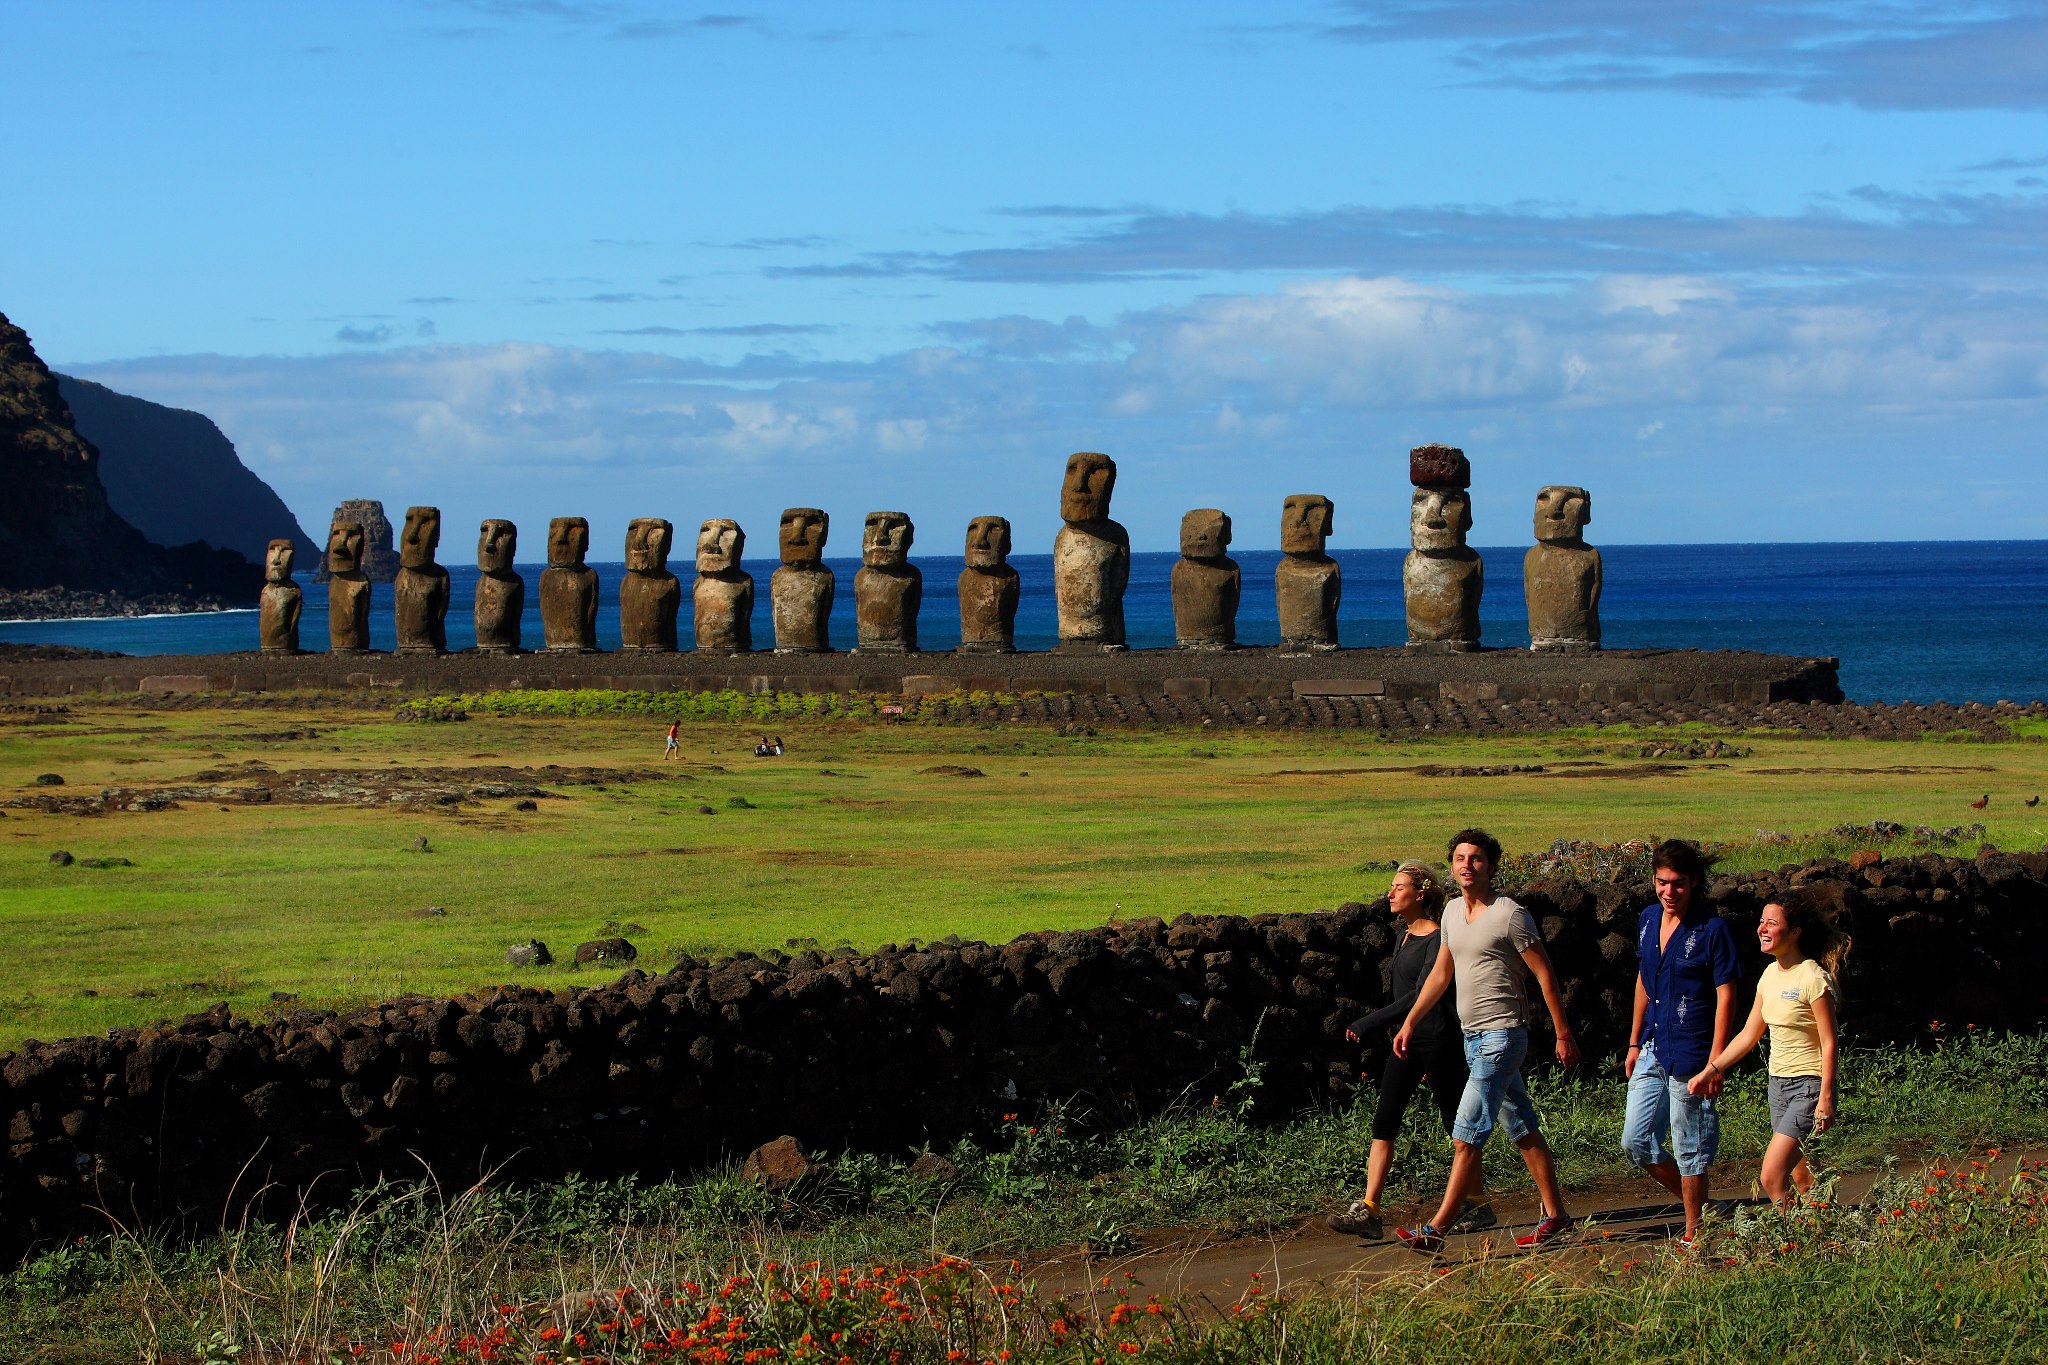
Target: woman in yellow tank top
(1796,1000)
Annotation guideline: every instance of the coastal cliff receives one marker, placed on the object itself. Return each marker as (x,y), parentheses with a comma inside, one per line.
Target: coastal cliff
(63,548)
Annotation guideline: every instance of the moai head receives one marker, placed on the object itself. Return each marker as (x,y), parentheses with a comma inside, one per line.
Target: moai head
(422,536)
(885,540)
(1091,478)
(1562,513)
(345,547)
(1306,520)
(1204,534)
(568,542)
(988,542)
(647,542)
(277,561)
(496,542)
(1439,517)
(719,543)
(803,535)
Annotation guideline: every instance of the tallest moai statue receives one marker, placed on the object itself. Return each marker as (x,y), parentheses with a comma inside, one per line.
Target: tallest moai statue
(1091,559)
(1442,577)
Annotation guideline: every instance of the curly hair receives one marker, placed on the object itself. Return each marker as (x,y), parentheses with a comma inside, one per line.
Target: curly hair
(1479,839)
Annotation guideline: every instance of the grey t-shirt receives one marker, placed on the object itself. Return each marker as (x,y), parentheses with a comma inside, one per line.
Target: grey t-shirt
(1486,957)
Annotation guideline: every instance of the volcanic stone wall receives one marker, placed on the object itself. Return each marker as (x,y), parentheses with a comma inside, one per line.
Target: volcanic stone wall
(180,1125)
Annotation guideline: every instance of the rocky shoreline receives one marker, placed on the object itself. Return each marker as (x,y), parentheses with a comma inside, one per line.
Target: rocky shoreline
(64,604)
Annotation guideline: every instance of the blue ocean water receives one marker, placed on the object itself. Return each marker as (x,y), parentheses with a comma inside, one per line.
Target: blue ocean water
(1910,621)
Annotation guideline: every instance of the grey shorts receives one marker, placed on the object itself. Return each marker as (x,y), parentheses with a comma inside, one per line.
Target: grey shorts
(1793,1100)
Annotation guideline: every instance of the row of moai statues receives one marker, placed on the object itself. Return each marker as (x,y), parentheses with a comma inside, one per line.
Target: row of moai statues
(1442,579)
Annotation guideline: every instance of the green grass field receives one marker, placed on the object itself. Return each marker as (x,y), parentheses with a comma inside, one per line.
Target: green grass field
(847,839)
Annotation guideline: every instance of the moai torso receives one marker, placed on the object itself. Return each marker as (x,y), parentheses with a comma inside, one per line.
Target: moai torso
(568,590)
(1307,585)
(722,598)
(1442,578)
(1091,559)
(988,590)
(1206,583)
(888,590)
(500,591)
(277,619)
(800,592)
(1561,573)
(419,594)
(348,590)
(649,595)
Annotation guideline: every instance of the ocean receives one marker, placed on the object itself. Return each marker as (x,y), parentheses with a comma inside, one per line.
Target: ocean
(1911,621)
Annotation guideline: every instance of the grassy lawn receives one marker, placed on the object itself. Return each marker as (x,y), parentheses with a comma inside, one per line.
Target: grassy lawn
(847,839)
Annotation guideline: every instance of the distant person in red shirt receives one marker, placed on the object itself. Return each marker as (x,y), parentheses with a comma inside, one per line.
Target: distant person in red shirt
(673,749)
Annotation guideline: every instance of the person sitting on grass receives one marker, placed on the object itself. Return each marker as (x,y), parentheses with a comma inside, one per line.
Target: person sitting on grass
(1684,1011)
(1490,946)
(1795,1000)
(1437,1053)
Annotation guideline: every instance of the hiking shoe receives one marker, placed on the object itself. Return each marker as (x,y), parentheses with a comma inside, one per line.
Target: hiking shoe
(1426,1239)
(1548,1230)
(1474,1217)
(1360,1220)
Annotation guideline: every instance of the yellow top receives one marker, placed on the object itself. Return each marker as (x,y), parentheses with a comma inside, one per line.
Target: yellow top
(1788,998)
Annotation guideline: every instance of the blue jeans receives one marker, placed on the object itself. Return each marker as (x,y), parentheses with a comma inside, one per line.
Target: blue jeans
(1493,1087)
(1658,1100)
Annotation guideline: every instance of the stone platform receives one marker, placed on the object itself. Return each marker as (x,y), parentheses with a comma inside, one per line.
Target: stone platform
(1392,675)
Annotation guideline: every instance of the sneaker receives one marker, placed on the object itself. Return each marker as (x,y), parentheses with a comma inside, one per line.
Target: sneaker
(1689,1242)
(1474,1217)
(1549,1229)
(1425,1239)
(1360,1220)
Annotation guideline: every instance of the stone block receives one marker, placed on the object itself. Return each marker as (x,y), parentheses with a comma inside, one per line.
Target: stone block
(1187,687)
(1469,691)
(1339,687)
(182,682)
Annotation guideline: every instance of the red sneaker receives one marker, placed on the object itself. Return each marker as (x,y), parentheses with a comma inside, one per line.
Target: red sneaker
(1551,1228)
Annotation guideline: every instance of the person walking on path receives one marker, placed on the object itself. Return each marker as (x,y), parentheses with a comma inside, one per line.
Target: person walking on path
(1684,1011)
(672,749)
(1795,1000)
(1436,1055)
(1491,944)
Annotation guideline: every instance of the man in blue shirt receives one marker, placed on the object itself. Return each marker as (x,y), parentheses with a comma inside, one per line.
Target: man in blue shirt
(1684,1013)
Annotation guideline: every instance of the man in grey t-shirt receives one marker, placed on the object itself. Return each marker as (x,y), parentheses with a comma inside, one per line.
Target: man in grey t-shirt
(1491,945)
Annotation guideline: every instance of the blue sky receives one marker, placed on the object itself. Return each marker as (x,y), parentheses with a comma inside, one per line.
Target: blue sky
(1747,271)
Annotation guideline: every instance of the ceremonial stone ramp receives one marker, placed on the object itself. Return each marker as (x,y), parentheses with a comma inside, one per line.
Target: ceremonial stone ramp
(1348,677)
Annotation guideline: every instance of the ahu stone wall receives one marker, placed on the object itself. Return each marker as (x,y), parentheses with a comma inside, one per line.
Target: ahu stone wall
(180,1125)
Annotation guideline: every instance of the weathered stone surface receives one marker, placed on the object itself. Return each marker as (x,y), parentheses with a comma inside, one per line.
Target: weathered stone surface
(532,953)
(988,590)
(722,599)
(568,590)
(1091,558)
(888,590)
(800,592)
(1561,574)
(1206,583)
(419,594)
(777,1164)
(1308,584)
(650,596)
(1439,467)
(500,591)
(606,950)
(348,590)
(277,614)
(1442,577)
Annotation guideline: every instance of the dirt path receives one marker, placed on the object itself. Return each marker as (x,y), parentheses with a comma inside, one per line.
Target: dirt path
(1195,1265)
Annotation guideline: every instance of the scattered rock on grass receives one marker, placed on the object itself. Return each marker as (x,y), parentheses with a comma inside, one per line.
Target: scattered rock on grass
(706,810)
(532,953)
(104,862)
(935,1168)
(739,803)
(62,859)
(49,779)
(419,845)
(606,950)
(527,805)
(950,770)
(430,912)
(776,1164)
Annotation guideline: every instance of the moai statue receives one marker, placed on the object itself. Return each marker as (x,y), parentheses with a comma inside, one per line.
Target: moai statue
(277,623)
(1308,583)
(800,592)
(568,590)
(1561,573)
(988,590)
(1091,559)
(500,592)
(1206,583)
(348,590)
(419,595)
(723,596)
(649,595)
(889,589)
(1442,577)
